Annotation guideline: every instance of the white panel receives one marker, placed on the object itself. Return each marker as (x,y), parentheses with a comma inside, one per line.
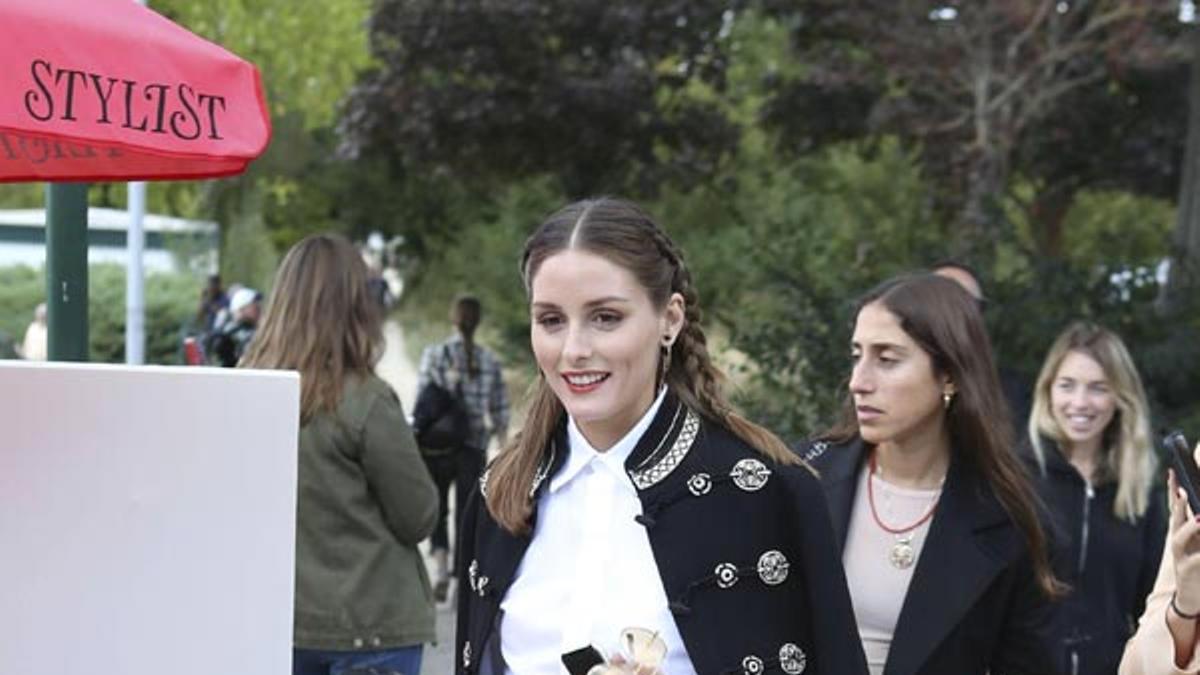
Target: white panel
(147,520)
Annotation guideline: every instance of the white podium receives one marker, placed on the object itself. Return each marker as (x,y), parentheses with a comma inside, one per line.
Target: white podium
(147,520)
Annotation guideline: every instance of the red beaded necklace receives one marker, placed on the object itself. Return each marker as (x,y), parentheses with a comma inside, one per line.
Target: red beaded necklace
(875,514)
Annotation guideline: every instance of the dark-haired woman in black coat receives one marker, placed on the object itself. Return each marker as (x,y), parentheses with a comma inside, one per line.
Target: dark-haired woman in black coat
(940,535)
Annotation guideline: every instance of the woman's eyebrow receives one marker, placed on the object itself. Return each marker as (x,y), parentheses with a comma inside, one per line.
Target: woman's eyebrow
(605,300)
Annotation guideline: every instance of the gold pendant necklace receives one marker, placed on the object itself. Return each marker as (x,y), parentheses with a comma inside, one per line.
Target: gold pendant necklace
(902,555)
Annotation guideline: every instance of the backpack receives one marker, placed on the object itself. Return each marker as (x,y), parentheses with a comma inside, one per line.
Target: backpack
(440,418)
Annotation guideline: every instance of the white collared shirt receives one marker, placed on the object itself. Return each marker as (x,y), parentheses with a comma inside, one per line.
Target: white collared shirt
(589,571)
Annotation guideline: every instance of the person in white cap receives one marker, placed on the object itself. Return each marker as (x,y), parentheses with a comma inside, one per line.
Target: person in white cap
(229,342)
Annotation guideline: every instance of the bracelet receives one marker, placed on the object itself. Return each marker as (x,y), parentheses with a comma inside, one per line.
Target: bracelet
(1180,613)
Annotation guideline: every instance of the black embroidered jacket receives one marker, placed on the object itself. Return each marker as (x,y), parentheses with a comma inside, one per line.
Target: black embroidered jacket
(744,548)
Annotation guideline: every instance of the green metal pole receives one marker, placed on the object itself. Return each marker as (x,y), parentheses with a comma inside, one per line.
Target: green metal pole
(67,271)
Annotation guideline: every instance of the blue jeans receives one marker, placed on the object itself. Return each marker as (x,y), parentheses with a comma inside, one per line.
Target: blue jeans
(402,661)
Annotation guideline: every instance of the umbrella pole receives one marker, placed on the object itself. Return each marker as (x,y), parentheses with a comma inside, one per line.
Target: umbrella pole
(67,271)
(135,277)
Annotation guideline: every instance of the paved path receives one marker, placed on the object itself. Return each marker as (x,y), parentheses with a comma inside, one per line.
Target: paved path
(399,371)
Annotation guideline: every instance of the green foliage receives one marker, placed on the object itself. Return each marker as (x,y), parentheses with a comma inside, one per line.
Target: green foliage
(484,262)
(799,154)
(781,244)
(22,195)
(814,234)
(1104,222)
(170,306)
(308,52)
(247,255)
(594,92)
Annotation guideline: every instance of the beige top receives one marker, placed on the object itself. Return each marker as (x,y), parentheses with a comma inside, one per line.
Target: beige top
(877,586)
(1151,650)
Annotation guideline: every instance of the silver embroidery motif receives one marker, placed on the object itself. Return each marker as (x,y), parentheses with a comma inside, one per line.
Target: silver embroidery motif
(750,474)
(816,450)
(752,665)
(792,659)
(646,478)
(476,581)
(699,484)
(483,481)
(726,574)
(466,655)
(773,568)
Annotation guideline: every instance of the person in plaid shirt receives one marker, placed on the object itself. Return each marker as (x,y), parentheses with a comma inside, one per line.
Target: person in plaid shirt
(451,362)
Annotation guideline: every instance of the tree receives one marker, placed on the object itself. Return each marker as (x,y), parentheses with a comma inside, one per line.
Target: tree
(607,95)
(988,89)
(1185,254)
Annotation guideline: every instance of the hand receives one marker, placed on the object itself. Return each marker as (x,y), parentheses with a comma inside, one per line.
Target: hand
(642,652)
(1184,540)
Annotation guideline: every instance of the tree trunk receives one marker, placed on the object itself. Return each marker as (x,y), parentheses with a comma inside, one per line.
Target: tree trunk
(1047,216)
(1185,243)
(982,216)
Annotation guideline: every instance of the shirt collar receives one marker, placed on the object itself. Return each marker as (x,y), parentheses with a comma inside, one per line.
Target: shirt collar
(582,453)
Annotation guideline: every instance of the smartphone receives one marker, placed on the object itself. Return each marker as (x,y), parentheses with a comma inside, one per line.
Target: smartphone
(1186,471)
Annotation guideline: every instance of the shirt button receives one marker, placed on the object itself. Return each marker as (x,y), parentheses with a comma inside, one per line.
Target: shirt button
(358,642)
(375,642)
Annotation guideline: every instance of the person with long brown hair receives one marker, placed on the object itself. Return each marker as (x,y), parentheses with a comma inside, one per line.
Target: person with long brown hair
(637,522)
(364,497)
(935,517)
(1089,443)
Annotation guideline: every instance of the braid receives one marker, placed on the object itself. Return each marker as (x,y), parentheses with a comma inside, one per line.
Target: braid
(694,364)
(692,373)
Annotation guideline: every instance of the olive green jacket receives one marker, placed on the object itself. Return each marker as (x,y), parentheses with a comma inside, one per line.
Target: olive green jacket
(365,499)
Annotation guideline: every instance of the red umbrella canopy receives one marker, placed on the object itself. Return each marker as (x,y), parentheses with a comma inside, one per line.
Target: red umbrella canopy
(110,90)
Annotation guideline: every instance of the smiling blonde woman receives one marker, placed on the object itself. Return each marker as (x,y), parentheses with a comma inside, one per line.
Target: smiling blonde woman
(1089,433)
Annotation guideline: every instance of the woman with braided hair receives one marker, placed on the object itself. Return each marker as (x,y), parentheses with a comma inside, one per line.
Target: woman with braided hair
(637,523)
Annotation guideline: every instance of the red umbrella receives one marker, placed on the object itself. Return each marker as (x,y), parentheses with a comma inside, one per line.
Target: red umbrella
(110,90)
(102,90)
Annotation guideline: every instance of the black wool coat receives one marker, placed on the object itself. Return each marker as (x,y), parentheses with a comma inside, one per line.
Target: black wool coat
(973,605)
(743,546)
(1110,564)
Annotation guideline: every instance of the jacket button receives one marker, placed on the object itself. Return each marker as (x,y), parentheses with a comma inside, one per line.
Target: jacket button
(358,643)
(375,642)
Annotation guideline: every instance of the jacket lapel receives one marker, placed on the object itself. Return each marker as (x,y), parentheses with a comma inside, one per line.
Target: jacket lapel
(840,478)
(955,567)
(509,548)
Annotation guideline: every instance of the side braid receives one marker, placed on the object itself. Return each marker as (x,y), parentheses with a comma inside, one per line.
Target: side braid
(692,373)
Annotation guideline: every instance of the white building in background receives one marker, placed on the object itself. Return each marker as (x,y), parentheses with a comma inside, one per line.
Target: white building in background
(172,244)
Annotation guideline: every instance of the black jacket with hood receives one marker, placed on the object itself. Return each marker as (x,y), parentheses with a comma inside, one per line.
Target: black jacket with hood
(1109,563)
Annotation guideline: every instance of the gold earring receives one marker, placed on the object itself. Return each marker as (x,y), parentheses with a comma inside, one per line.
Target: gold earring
(946,398)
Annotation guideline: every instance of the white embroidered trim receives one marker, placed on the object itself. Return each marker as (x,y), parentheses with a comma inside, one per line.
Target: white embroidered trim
(646,478)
